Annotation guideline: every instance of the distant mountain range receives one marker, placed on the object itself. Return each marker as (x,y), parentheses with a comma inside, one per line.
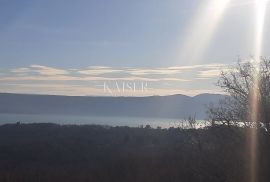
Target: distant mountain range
(174,106)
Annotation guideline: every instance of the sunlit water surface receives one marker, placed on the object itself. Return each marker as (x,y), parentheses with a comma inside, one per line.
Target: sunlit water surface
(97,120)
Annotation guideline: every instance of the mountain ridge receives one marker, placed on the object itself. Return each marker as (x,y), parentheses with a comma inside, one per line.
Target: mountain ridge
(172,106)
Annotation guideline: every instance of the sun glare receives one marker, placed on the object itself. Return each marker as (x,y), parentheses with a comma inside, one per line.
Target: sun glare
(199,35)
(202,29)
(260,20)
(260,8)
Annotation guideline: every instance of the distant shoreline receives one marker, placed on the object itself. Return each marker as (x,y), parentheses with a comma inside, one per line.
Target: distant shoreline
(95,120)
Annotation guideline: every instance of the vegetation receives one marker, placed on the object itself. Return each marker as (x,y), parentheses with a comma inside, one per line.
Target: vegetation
(248,103)
(50,152)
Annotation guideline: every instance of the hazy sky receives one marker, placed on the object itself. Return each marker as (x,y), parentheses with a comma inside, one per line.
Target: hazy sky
(73,47)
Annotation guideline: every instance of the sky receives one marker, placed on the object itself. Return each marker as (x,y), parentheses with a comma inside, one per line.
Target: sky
(98,47)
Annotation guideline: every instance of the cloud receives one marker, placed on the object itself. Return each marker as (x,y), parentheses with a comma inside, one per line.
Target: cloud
(75,78)
(21,70)
(131,71)
(80,81)
(98,70)
(209,73)
(49,71)
(157,71)
(41,70)
(172,69)
(83,90)
(198,66)
(146,72)
(52,89)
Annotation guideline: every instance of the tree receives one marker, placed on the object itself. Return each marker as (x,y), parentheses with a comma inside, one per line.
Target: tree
(248,87)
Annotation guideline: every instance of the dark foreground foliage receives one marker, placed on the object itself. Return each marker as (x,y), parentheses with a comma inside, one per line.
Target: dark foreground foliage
(54,153)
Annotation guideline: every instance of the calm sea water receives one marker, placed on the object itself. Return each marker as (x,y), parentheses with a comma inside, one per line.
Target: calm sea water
(81,120)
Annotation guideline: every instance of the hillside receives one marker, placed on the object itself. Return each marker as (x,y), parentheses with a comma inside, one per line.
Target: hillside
(53,153)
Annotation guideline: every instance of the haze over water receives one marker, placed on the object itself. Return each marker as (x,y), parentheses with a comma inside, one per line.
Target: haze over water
(96,120)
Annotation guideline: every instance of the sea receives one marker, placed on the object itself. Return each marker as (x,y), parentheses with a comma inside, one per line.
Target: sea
(98,120)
